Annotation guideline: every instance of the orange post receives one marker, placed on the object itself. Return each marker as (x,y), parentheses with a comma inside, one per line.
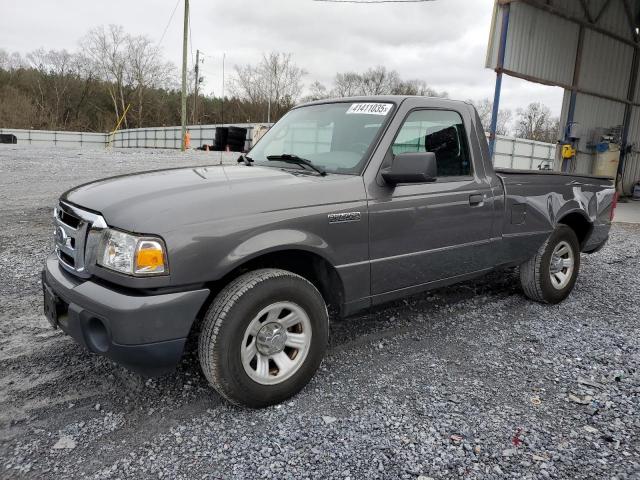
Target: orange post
(187,140)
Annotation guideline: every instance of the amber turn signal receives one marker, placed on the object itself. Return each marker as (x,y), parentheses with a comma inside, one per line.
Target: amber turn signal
(150,257)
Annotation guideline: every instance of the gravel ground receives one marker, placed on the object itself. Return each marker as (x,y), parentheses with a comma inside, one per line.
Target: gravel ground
(471,381)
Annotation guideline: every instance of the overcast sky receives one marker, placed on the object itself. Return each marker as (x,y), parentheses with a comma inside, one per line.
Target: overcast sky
(442,42)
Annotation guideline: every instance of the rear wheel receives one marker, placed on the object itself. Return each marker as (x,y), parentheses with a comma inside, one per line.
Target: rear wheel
(550,275)
(263,337)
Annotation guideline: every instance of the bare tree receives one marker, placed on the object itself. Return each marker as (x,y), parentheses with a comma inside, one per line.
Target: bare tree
(504,123)
(380,81)
(58,69)
(129,66)
(276,81)
(416,87)
(347,84)
(485,111)
(16,108)
(4,60)
(107,49)
(535,123)
(11,61)
(375,81)
(145,69)
(317,91)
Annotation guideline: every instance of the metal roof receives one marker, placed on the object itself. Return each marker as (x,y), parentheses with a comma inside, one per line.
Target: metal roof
(588,47)
(550,42)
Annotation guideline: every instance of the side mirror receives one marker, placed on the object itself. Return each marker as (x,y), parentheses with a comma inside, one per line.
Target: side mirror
(411,168)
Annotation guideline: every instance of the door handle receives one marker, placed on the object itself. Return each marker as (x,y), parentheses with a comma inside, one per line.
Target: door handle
(476,199)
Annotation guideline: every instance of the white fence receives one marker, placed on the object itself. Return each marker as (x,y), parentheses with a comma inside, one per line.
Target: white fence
(57,139)
(509,152)
(169,137)
(523,154)
(157,137)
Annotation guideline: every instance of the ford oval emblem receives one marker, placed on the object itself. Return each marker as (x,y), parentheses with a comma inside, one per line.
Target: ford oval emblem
(61,237)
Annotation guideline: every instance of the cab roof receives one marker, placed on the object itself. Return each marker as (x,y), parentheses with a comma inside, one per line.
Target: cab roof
(415,100)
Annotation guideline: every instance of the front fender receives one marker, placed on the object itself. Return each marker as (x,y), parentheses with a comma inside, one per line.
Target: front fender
(272,241)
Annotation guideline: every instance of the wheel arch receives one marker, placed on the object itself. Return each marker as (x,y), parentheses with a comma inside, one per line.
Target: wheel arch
(580,223)
(298,259)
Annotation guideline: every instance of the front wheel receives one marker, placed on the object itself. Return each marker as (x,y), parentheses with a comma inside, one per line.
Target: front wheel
(263,337)
(549,276)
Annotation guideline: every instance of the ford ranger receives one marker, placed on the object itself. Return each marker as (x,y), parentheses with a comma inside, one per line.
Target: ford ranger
(341,206)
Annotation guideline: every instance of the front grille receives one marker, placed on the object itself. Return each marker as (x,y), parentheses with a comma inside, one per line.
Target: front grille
(66,259)
(68,219)
(73,237)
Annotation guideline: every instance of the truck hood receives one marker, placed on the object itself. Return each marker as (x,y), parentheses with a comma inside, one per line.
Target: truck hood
(160,201)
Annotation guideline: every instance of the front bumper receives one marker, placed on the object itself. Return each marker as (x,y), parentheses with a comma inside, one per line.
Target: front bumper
(145,333)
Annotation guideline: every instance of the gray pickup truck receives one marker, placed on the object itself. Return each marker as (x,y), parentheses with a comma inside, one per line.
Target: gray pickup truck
(341,206)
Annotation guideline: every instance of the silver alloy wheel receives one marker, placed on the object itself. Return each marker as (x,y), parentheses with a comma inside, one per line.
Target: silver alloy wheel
(562,265)
(276,343)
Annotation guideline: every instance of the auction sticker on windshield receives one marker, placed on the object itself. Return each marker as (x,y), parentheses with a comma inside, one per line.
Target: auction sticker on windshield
(370,108)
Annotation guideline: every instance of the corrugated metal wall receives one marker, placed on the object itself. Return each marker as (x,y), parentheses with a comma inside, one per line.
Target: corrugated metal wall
(632,161)
(543,47)
(614,18)
(605,66)
(593,113)
(532,49)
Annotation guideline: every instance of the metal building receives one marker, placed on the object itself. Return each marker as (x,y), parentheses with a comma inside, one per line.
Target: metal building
(589,48)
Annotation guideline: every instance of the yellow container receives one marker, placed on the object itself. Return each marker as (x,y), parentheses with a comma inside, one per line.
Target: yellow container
(606,164)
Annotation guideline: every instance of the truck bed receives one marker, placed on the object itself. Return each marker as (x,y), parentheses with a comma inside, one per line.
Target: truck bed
(514,171)
(536,201)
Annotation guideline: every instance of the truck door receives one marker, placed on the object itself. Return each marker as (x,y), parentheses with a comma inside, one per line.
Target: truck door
(424,233)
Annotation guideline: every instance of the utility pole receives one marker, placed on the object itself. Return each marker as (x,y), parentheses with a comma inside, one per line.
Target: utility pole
(195,90)
(184,74)
(269,102)
(270,93)
(222,109)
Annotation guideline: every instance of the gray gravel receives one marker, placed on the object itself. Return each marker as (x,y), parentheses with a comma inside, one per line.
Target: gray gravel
(472,381)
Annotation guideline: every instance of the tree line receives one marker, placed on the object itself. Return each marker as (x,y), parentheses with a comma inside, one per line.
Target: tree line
(113,72)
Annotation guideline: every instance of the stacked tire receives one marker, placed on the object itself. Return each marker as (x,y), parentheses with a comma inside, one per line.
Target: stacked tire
(232,137)
(220,140)
(236,139)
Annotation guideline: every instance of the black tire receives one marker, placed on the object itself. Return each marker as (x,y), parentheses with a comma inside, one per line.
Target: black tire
(225,324)
(535,273)
(237,132)
(237,137)
(235,147)
(220,138)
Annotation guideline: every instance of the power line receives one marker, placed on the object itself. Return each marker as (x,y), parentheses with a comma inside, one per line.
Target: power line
(169,22)
(374,1)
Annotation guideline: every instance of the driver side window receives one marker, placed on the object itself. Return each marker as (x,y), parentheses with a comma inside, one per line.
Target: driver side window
(438,131)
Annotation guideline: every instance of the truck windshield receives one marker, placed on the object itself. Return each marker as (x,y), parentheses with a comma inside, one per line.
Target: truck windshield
(332,136)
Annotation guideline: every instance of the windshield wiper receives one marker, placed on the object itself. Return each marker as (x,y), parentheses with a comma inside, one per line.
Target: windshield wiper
(248,161)
(289,158)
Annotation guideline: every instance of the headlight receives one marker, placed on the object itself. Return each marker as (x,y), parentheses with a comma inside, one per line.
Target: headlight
(132,255)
